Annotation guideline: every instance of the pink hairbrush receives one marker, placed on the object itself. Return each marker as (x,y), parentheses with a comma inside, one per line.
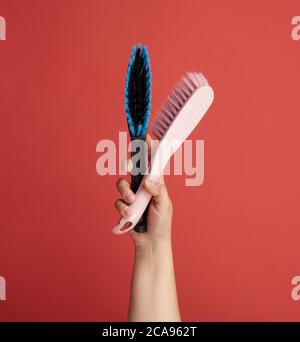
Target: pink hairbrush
(184,109)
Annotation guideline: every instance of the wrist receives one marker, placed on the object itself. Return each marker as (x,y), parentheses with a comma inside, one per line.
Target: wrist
(153,250)
(152,245)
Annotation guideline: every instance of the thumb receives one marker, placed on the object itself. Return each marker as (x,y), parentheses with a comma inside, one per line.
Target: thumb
(158,191)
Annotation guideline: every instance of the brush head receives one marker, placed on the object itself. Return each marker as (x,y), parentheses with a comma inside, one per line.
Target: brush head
(138,92)
(181,94)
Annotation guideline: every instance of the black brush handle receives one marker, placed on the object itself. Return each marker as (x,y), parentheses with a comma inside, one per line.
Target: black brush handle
(136,179)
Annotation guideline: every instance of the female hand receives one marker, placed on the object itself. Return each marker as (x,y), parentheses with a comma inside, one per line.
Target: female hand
(159,219)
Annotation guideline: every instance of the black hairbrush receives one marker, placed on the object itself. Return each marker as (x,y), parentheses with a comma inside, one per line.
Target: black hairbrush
(137,108)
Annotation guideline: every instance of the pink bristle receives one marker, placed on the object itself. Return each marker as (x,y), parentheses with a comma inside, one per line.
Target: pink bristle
(176,100)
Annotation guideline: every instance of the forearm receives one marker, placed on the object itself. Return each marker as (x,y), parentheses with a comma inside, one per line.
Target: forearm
(153,293)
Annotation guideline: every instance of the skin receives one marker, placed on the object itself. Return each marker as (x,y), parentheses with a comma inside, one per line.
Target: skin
(153,289)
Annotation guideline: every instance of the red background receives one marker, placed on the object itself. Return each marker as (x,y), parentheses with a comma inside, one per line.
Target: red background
(236,238)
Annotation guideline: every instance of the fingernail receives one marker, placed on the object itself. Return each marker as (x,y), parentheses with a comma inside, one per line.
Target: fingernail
(130,196)
(127,212)
(151,182)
